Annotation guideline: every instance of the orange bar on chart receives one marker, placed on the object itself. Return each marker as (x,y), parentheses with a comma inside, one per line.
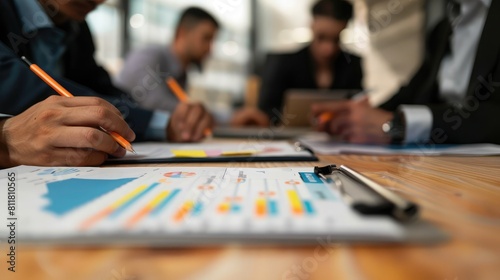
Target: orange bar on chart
(110,209)
(295,202)
(183,211)
(224,207)
(147,209)
(260,207)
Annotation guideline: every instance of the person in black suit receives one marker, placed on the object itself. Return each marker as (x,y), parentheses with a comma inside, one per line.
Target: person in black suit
(320,65)
(54,35)
(453,98)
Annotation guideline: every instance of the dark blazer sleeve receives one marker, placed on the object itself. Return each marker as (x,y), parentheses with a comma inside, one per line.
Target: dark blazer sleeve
(275,81)
(81,67)
(423,87)
(20,89)
(348,72)
(475,119)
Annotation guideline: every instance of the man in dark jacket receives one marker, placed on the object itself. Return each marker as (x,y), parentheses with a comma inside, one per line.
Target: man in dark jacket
(453,98)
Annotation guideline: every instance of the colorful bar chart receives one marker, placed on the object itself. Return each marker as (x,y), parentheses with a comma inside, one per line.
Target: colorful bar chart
(224,207)
(269,198)
(198,209)
(261,207)
(273,207)
(266,207)
(299,206)
(119,206)
(147,209)
(183,211)
(295,202)
(230,205)
(154,207)
(165,202)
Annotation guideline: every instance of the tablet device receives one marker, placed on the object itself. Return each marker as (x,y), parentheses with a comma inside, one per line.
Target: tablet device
(298,102)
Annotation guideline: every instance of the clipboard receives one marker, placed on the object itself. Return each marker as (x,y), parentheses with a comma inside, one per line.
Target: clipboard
(249,151)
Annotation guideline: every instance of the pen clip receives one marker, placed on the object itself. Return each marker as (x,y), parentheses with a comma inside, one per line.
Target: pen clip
(395,205)
(325,170)
(329,170)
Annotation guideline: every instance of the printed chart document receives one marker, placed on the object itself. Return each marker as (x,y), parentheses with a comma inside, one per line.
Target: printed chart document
(216,152)
(181,206)
(324,145)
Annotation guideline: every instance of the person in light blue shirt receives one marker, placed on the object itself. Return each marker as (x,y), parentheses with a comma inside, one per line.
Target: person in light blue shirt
(54,35)
(194,35)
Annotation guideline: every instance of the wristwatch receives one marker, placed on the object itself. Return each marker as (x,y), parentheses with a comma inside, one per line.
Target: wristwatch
(395,128)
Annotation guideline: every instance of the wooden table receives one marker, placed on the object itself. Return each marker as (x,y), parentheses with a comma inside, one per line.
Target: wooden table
(461,195)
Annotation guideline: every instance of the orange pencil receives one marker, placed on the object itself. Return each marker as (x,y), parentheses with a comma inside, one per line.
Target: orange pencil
(328,116)
(64,92)
(325,117)
(182,96)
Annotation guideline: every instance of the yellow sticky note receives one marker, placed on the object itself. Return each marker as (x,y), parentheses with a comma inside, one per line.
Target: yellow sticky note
(238,153)
(190,153)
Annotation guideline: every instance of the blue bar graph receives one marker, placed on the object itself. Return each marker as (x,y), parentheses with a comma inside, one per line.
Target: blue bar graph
(308,207)
(273,207)
(198,208)
(67,195)
(129,203)
(164,203)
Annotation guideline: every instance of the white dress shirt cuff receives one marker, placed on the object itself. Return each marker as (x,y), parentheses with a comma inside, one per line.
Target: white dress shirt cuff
(418,120)
(5,116)
(157,128)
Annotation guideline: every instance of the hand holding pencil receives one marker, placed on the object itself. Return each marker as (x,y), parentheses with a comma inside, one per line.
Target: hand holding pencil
(190,122)
(60,131)
(354,121)
(63,92)
(86,128)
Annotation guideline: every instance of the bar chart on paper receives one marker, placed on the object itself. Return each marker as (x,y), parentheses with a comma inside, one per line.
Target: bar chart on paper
(92,203)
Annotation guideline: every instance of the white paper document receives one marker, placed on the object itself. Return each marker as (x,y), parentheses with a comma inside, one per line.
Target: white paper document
(154,151)
(179,206)
(326,146)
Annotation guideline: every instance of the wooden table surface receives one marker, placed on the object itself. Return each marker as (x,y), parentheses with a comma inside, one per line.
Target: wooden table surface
(459,194)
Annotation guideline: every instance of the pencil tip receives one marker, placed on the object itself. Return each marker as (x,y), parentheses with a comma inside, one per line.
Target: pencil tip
(132,150)
(26,60)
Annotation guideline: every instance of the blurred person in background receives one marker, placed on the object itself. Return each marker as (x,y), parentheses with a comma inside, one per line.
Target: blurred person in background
(320,65)
(453,98)
(55,35)
(147,68)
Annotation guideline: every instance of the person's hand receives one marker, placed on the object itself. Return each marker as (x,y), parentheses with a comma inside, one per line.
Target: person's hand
(63,131)
(355,121)
(190,122)
(249,117)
